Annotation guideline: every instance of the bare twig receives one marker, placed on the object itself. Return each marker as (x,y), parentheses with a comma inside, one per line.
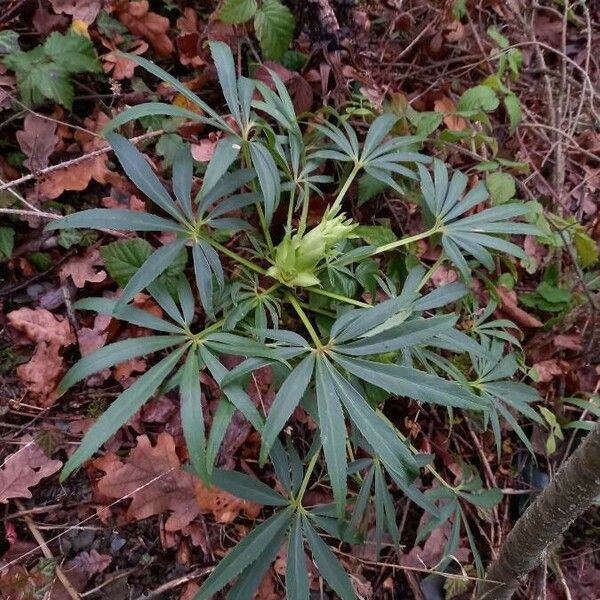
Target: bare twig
(75,161)
(73,593)
(169,585)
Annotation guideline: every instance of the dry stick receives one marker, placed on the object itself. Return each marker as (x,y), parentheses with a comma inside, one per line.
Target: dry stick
(75,161)
(73,593)
(169,585)
(572,491)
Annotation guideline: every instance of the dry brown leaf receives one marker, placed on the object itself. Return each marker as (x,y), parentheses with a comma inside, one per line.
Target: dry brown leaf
(188,42)
(547,370)
(77,177)
(82,269)
(119,66)
(37,141)
(153,478)
(509,307)
(40,325)
(138,18)
(79,571)
(156,483)
(82,10)
(447,106)
(25,468)
(7,86)
(42,373)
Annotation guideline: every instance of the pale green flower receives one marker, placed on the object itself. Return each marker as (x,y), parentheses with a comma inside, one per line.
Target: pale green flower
(297,257)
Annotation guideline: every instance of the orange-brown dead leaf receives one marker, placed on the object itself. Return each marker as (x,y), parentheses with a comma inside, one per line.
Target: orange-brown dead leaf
(509,307)
(118,66)
(25,468)
(447,106)
(82,269)
(40,325)
(138,18)
(37,141)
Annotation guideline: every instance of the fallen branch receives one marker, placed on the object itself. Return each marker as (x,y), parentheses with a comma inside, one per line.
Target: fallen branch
(575,487)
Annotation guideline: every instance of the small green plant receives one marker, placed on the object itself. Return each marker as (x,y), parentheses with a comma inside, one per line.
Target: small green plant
(273,23)
(45,72)
(347,356)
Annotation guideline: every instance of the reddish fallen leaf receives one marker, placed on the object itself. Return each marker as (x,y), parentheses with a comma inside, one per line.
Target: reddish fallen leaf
(547,370)
(118,66)
(42,373)
(79,571)
(153,478)
(447,106)
(77,177)
(138,18)
(188,42)
(82,269)
(25,468)
(37,141)
(82,10)
(568,342)
(509,307)
(40,325)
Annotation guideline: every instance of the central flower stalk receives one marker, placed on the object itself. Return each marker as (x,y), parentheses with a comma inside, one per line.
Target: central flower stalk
(297,256)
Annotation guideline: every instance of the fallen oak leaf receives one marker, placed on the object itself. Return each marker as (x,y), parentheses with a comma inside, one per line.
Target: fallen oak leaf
(138,18)
(25,468)
(81,10)
(40,325)
(79,571)
(116,64)
(37,140)
(42,373)
(82,269)
(153,478)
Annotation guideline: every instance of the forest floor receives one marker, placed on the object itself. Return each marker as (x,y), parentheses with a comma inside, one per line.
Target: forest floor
(538,141)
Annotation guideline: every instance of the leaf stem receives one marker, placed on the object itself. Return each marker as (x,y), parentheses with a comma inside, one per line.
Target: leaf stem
(338,297)
(304,215)
(434,267)
(307,474)
(407,240)
(235,256)
(344,189)
(304,318)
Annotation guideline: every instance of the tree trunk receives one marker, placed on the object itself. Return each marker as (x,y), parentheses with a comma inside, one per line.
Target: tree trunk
(574,488)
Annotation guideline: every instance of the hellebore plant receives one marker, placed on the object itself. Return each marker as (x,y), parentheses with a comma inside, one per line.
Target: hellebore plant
(348,359)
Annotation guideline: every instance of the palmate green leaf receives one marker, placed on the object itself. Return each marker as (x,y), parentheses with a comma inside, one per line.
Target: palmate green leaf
(220,422)
(407,381)
(286,400)
(231,343)
(113,354)
(158,262)
(114,218)
(192,418)
(237,11)
(410,333)
(223,59)
(234,393)
(387,504)
(246,487)
(378,433)
(130,314)
(472,235)
(176,85)
(138,170)
(274,26)
(332,429)
(268,177)
(247,583)
(149,109)
(122,409)
(203,270)
(296,574)
(327,563)
(245,553)
(362,499)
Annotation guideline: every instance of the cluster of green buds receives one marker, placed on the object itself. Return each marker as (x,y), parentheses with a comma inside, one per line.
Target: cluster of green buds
(298,255)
